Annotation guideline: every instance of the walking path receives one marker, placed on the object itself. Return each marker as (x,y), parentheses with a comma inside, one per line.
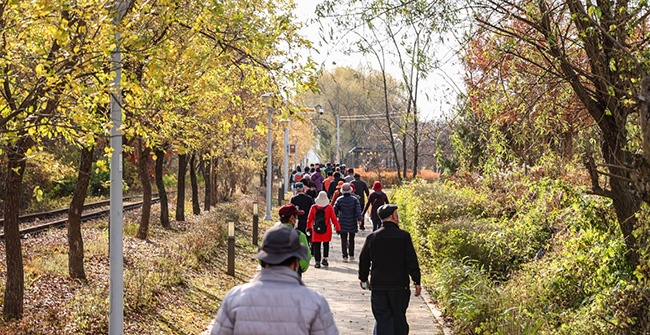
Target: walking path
(351,305)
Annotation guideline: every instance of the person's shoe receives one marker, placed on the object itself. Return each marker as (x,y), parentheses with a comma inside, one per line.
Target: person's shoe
(351,258)
(317,265)
(325,262)
(345,259)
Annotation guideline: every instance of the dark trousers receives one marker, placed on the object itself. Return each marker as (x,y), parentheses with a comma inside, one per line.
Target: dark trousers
(316,247)
(376,224)
(347,244)
(389,309)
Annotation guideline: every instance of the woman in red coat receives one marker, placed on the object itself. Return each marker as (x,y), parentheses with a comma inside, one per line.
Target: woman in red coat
(322,208)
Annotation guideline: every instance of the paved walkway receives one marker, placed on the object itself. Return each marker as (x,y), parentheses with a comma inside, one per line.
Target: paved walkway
(351,305)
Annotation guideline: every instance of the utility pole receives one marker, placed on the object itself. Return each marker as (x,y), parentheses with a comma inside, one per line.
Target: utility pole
(116,260)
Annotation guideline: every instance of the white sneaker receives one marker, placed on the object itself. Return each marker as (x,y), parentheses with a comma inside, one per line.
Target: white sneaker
(345,259)
(351,258)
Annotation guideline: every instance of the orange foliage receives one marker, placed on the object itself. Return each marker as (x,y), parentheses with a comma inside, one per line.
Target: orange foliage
(388,177)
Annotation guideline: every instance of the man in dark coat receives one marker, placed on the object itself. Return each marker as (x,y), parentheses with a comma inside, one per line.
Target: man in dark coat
(360,189)
(303,202)
(334,183)
(389,257)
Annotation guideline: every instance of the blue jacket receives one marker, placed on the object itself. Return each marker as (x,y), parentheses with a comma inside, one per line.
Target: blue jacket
(348,210)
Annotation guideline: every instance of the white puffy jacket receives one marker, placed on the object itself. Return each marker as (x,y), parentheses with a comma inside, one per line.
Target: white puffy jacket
(275,302)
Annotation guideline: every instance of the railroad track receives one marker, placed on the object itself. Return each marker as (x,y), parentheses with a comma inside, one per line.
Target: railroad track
(62,211)
(40,227)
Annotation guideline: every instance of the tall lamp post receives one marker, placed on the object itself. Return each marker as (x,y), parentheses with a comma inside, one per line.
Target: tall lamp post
(338,138)
(266,99)
(286,155)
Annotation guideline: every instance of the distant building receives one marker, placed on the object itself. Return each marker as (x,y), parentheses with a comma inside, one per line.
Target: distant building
(369,158)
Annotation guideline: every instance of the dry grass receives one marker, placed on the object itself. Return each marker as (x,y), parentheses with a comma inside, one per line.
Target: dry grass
(173,282)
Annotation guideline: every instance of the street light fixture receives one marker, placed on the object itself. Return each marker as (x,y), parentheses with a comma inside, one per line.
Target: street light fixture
(266,100)
(320,110)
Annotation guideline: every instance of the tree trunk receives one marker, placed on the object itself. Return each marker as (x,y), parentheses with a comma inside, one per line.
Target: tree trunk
(416,144)
(145,180)
(196,206)
(14,288)
(75,238)
(160,184)
(206,169)
(404,157)
(627,206)
(213,178)
(626,203)
(180,198)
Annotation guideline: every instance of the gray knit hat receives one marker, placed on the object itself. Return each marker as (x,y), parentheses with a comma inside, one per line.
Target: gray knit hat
(279,243)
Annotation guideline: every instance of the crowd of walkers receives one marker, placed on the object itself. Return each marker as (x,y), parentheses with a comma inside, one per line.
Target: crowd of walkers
(327,198)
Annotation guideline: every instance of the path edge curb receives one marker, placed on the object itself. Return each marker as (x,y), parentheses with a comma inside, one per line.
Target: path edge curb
(435,311)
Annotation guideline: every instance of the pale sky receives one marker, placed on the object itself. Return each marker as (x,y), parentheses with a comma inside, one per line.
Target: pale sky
(442,86)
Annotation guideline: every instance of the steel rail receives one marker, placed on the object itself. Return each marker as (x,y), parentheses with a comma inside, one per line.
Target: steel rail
(32,216)
(32,230)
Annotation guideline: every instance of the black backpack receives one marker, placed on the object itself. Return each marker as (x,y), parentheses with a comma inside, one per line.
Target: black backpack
(320,227)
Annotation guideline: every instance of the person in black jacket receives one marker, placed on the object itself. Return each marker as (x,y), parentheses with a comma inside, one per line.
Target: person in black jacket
(360,189)
(333,184)
(303,202)
(388,256)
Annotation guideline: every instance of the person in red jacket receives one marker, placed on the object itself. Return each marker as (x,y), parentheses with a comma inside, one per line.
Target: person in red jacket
(323,205)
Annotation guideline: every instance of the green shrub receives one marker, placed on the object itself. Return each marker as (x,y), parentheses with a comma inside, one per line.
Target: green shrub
(62,188)
(467,293)
(525,257)
(170,181)
(100,179)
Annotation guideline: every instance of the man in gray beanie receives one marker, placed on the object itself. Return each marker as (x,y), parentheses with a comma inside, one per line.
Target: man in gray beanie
(267,304)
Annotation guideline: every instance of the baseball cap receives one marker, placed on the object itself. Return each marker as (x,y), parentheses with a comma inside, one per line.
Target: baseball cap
(386,210)
(299,185)
(280,243)
(289,210)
